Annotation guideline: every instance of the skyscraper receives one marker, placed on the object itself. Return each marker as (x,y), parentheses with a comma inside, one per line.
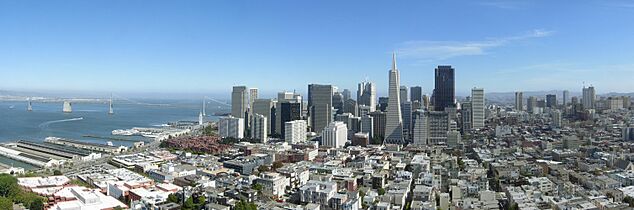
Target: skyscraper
(259,128)
(320,106)
(394,123)
(289,111)
(589,97)
(565,98)
(366,95)
(283,97)
(403,94)
(531,104)
(263,107)
(519,101)
(419,127)
(383,103)
(406,113)
(346,94)
(253,94)
(444,88)
(466,114)
(551,100)
(416,94)
(477,107)
(337,102)
(239,101)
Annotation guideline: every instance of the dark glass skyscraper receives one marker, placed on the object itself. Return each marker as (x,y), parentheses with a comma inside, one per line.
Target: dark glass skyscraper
(444,88)
(290,111)
(416,94)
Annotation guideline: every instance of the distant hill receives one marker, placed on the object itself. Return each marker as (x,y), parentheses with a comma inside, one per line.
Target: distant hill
(509,97)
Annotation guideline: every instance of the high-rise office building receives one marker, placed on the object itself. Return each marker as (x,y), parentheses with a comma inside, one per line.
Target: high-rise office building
(289,111)
(239,101)
(264,107)
(477,108)
(556,116)
(466,114)
(406,109)
(367,125)
(565,98)
(519,101)
(350,106)
(425,103)
(253,95)
(444,88)
(259,128)
(334,135)
(320,106)
(531,104)
(231,127)
(394,123)
(416,94)
(403,94)
(283,97)
(346,94)
(295,131)
(366,95)
(589,97)
(337,102)
(551,100)
(438,123)
(379,120)
(383,103)
(420,128)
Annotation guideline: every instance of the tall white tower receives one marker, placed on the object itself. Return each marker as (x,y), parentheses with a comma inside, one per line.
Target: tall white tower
(394,123)
(477,108)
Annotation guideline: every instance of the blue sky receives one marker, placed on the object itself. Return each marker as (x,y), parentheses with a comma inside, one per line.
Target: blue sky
(208,46)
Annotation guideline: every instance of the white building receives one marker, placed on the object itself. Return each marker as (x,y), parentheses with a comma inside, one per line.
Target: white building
(273,183)
(394,121)
(335,135)
(259,128)
(295,131)
(477,108)
(319,192)
(231,127)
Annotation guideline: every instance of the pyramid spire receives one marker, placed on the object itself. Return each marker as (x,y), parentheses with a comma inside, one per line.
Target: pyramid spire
(394,61)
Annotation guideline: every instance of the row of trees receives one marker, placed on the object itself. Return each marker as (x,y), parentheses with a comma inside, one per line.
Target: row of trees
(11,193)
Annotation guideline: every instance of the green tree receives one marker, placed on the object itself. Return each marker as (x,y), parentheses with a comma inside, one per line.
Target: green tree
(257,187)
(381,191)
(57,172)
(189,203)
(172,198)
(6,204)
(36,204)
(277,164)
(8,186)
(243,205)
(200,200)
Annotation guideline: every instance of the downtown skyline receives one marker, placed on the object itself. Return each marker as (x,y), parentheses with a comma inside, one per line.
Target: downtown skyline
(111,48)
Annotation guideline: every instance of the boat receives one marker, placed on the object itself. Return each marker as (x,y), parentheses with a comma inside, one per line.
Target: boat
(110,110)
(29,107)
(67,107)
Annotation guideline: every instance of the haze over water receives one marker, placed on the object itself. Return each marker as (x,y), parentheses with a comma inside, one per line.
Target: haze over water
(47,119)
